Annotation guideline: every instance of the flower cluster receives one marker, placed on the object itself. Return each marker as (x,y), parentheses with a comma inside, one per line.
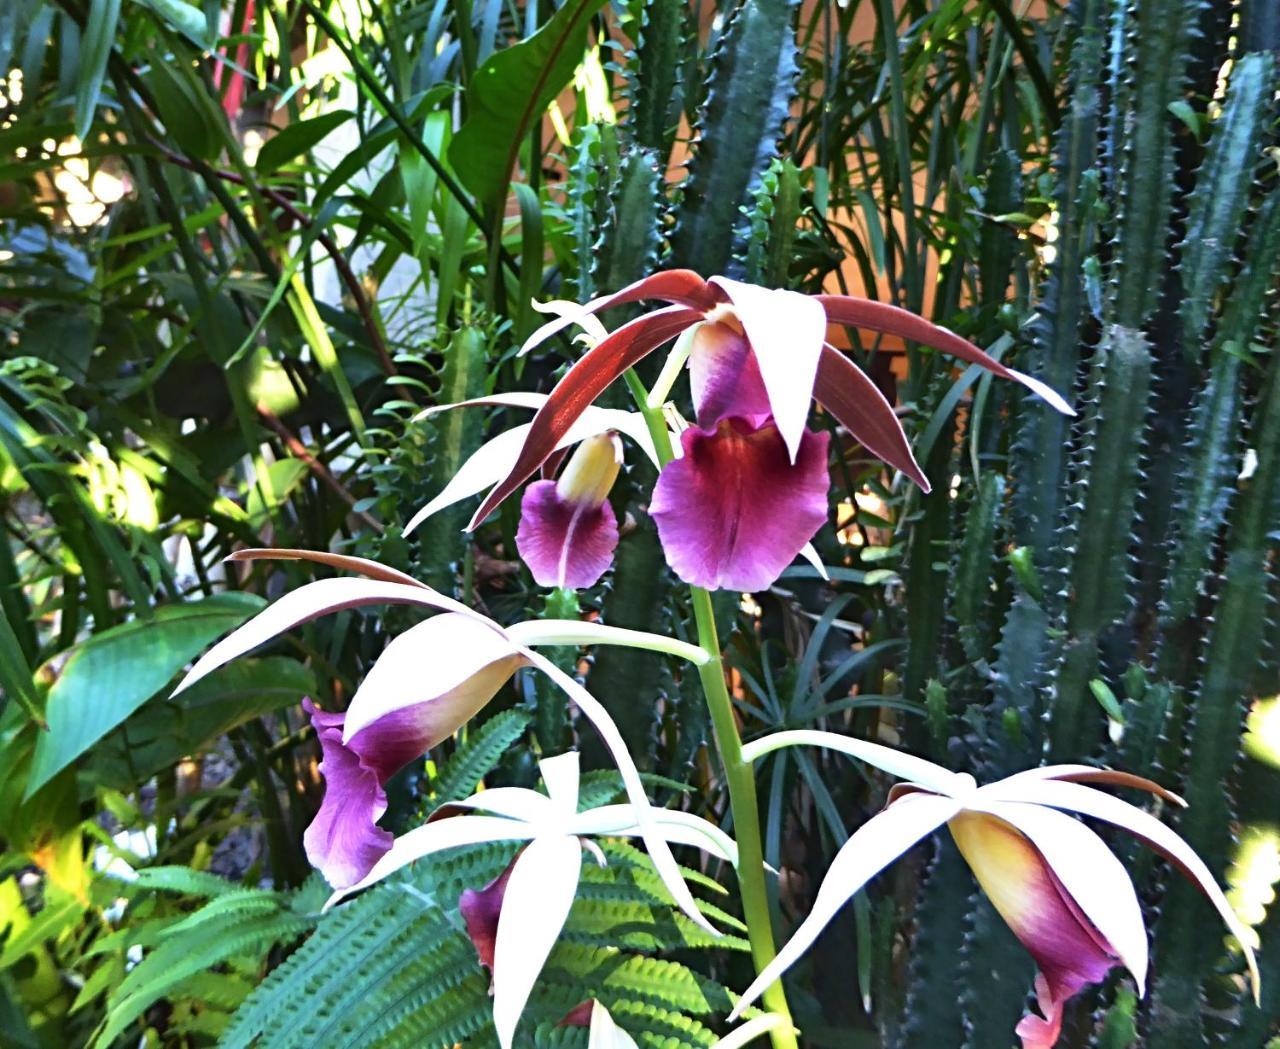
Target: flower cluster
(743,495)
(749,488)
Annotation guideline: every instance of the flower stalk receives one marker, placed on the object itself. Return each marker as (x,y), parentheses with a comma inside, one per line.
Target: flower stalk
(739,774)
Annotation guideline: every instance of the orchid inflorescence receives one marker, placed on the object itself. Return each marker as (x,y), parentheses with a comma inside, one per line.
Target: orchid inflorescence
(740,493)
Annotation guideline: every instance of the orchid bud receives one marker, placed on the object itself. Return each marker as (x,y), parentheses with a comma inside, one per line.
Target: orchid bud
(589,474)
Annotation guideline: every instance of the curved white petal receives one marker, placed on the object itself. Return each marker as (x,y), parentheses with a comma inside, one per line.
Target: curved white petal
(876,844)
(1090,872)
(587,632)
(560,774)
(516,803)
(810,554)
(486,466)
(1087,801)
(1045,391)
(435,837)
(905,766)
(751,1030)
(539,894)
(308,602)
(494,459)
(456,661)
(605,1034)
(656,846)
(572,311)
(510,399)
(680,828)
(786,331)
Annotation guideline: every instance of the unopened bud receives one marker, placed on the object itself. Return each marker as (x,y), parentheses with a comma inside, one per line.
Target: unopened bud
(591,470)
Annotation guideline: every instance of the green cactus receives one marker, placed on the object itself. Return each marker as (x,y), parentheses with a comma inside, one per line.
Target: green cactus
(753,75)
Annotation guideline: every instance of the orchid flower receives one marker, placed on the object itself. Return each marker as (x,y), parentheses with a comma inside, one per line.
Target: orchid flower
(568,530)
(424,686)
(606,1034)
(750,489)
(1057,885)
(514,921)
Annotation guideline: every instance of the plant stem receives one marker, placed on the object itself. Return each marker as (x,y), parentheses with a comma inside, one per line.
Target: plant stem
(739,775)
(741,781)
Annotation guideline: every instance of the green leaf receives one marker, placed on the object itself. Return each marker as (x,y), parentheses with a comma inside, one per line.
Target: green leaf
(283,476)
(187,19)
(508,95)
(193,121)
(111,675)
(297,139)
(165,731)
(99,35)
(15,675)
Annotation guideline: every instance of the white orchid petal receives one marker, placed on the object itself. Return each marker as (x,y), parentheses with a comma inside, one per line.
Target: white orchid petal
(486,466)
(494,459)
(434,837)
(810,554)
(605,1034)
(513,399)
(517,803)
(1091,875)
(657,848)
(469,661)
(895,762)
(876,844)
(1087,801)
(572,311)
(560,774)
(597,853)
(751,1030)
(308,602)
(1045,391)
(585,632)
(786,331)
(539,894)
(680,828)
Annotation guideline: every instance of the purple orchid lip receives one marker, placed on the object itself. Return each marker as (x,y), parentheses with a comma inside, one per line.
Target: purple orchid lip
(734,511)
(344,840)
(568,531)
(480,910)
(1022,886)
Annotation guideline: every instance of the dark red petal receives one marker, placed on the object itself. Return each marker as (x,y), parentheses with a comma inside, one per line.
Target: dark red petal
(893,320)
(360,565)
(859,406)
(1116,778)
(579,1015)
(581,385)
(480,910)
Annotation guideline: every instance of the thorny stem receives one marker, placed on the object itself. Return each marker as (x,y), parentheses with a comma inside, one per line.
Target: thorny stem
(739,775)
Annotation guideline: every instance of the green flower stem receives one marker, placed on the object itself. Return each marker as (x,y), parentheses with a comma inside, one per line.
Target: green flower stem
(741,780)
(739,775)
(571,632)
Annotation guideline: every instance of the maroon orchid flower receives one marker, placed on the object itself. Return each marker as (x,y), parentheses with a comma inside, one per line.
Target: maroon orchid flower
(750,489)
(568,530)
